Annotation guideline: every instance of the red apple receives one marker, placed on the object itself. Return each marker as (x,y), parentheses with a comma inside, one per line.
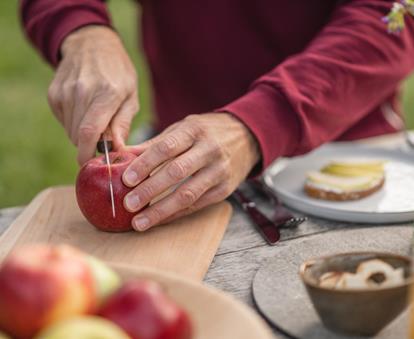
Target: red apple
(41,284)
(93,195)
(144,311)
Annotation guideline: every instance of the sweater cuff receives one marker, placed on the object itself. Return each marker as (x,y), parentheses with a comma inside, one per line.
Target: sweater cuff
(271,119)
(67,22)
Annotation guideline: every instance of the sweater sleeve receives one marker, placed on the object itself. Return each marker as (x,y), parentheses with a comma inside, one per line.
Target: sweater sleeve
(345,72)
(48,22)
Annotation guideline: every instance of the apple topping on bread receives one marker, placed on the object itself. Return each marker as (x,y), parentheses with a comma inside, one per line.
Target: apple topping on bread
(346,180)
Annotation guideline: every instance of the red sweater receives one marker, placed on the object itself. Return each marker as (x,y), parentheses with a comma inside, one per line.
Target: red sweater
(297,73)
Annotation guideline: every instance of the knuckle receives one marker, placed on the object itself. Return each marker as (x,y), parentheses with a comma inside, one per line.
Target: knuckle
(178,170)
(214,148)
(187,196)
(196,129)
(81,88)
(225,190)
(69,86)
(194,126)
(112,89)
(87,132)
(156,214)
(52,93)
(142,166)
(167,146)
(146,192)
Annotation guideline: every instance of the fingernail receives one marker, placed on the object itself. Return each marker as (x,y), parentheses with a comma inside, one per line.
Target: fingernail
(131,177)
(132,201)
(140,223)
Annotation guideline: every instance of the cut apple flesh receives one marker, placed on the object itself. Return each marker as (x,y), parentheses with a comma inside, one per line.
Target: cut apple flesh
(355,169)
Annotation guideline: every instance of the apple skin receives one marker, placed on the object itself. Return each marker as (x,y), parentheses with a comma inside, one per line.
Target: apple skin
(93,195)
(106,280)
(40,284)
(144,311)
(83,327)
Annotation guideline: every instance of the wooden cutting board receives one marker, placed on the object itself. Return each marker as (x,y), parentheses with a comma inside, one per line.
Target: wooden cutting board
(186,246)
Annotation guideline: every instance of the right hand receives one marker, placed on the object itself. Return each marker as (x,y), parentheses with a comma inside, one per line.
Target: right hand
(95,86)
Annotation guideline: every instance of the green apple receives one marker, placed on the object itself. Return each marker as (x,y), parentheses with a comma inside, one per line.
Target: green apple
(83,327)
(106,279)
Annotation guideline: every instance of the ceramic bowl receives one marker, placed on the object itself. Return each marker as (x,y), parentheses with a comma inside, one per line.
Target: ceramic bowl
(356,311)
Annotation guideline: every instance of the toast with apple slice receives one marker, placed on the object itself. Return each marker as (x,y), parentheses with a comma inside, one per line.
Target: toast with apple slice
(346,180)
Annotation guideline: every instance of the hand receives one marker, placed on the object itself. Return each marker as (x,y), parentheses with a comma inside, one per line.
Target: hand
(94,87)
(215,152)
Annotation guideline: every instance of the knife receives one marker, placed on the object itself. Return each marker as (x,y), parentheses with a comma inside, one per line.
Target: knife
(264,225)
(104,146)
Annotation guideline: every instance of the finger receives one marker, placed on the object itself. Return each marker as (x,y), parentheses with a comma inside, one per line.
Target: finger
(142,147)
(171,174)
(80,105)
(121,123)
(166,148)
(94,123)
(212,196)
(185,196)
(54,100)
(67,107)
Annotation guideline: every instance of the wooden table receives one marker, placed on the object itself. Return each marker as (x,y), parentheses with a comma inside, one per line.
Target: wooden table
(242,250)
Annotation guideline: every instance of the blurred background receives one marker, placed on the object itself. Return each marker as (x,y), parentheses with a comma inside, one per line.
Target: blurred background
(34,150)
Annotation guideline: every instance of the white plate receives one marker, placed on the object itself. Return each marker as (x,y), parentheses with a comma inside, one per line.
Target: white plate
(394,203)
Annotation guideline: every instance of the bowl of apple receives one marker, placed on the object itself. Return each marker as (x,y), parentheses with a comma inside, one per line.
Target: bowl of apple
(60,292)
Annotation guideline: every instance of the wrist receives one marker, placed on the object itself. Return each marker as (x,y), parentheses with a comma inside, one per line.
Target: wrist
(87,36)
(252,147)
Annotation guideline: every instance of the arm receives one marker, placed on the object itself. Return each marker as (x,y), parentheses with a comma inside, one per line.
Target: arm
(95,82)
(312,97)
(48,22)
(351,67)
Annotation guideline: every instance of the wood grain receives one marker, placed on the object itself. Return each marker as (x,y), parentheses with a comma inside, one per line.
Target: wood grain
(185,246)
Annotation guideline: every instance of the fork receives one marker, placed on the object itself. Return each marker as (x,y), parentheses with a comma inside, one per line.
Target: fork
(281,216)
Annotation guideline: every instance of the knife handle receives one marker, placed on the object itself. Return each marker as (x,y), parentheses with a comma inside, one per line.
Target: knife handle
(100,146)
(264,225)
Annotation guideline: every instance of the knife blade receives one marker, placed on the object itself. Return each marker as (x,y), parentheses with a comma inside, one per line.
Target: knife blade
(103,147)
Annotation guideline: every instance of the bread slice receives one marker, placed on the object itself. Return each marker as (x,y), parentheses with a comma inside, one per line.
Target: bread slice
(342,188)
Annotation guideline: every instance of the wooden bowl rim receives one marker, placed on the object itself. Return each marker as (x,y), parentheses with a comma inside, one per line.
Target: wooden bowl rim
(244,311)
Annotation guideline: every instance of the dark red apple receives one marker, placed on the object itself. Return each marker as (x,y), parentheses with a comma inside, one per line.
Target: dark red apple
(93,195)
(144,311)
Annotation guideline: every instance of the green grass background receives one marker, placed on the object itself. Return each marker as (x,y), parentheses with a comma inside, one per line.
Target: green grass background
(34,150)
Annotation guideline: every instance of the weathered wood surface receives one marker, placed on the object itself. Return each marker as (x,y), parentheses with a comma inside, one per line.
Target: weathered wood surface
(243,251)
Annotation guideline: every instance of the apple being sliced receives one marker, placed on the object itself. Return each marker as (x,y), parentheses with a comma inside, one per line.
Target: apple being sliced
(93,195)
(41,284)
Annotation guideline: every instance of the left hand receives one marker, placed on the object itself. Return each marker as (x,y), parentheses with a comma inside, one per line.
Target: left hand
(215,152)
